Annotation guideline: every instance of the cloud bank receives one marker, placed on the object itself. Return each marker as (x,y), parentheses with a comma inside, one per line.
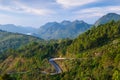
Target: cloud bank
(74,3)
(18,7)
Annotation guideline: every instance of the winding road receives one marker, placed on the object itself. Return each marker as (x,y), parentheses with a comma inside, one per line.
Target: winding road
(55,65)
(52,62)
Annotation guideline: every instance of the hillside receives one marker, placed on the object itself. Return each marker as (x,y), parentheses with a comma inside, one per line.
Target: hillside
(65,29)
(17,29)
(14,40)
(98,47)
(107,18)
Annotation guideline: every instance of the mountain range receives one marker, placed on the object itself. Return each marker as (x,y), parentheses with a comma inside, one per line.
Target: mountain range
(17,29)
(93,55)
(65,29)
(62,30)
(51,30)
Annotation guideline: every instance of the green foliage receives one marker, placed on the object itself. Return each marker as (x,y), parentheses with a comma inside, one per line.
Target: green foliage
(116,75)
(99,49)
(7,77)
(96,37)
(14,40)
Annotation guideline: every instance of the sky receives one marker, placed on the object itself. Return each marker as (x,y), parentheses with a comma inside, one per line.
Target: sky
(36,13)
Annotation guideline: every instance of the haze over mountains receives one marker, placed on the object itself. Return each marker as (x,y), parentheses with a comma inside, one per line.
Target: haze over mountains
(55,30)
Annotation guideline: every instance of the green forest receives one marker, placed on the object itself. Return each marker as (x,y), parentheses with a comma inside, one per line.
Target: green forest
(96,56)
(15,40)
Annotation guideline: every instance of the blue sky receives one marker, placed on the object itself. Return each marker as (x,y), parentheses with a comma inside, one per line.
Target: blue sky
(38,12)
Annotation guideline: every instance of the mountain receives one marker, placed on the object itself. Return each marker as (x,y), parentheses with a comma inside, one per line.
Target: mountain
(14,40)
(51,30)
(65,29)
(93,55)
(18,29)
(65,22)
(107,18)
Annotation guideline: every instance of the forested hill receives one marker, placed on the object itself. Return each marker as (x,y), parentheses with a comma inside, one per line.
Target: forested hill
(14,40)
(98,48)
(96,36)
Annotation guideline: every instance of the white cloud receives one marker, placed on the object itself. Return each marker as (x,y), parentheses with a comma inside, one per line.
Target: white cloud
(97,11)
(74,3)
(20,8)
(26,9)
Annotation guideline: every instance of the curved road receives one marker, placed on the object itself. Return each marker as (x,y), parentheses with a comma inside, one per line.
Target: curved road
(56,66)
(52,62)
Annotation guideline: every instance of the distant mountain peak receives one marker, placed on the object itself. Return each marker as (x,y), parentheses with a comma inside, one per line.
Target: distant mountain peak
(9,25)
(109,15)
(65,29)
(107,18)
(82,21)
(65,22)
(17,29)
(79,22)
(112,14)
(51,23)
(76,21)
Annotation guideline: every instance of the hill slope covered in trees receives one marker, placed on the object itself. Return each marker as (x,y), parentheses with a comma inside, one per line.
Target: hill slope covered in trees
(14,40)
(98,47)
